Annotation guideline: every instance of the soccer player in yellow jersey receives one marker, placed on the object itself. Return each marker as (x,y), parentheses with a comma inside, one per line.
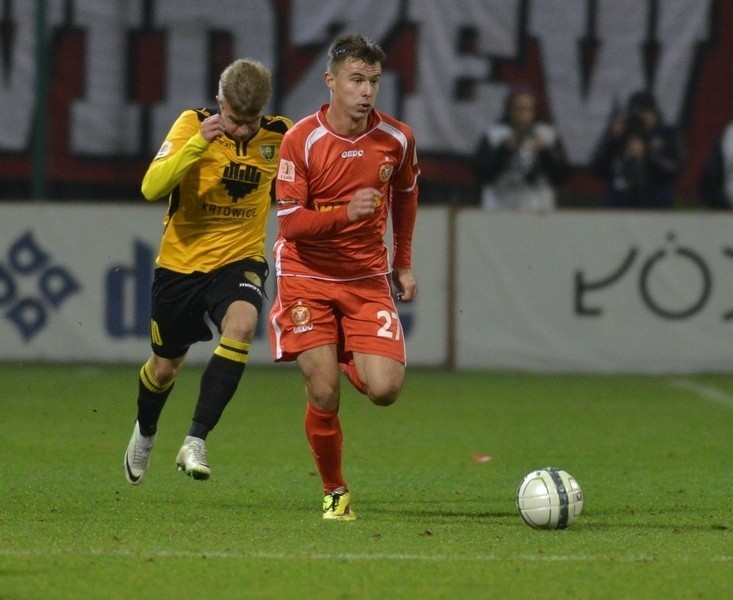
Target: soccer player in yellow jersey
(216,167)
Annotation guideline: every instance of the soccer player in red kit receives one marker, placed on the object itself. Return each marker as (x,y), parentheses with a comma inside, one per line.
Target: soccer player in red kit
(343,172)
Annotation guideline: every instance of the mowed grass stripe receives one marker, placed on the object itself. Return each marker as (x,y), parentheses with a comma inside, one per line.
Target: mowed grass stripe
(358,557)
(704,391)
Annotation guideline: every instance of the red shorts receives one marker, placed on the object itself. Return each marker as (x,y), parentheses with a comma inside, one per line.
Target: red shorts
(357,316)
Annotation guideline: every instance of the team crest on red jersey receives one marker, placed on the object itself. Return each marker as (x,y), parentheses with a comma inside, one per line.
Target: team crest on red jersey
(300,315)
(385,172)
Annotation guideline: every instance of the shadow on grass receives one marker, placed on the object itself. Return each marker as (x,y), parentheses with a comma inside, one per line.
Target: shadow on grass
(599,522)
(441,514)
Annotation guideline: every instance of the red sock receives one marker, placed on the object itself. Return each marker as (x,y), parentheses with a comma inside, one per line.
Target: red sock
(323,430)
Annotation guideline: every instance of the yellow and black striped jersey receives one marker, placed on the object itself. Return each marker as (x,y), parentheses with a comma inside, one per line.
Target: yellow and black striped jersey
(219,194)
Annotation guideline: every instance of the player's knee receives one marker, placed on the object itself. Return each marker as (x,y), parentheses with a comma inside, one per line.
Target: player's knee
(165,372)
(166,375)
(383,400)
(384,393)
(240,330)
(323,394)
(239,321)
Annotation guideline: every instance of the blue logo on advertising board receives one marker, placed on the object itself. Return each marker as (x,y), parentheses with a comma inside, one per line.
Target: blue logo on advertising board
(26,259)
(129,286)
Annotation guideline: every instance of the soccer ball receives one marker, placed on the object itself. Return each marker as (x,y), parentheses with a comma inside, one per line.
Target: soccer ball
(549,498)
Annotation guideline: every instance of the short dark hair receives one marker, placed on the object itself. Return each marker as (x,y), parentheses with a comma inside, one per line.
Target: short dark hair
(354,47)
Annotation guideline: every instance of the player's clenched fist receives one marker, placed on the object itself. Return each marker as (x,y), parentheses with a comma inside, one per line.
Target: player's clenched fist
(363,204)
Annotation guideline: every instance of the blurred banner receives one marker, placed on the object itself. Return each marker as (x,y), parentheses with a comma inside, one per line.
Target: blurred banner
(121,71)
(75,285)
(571,292)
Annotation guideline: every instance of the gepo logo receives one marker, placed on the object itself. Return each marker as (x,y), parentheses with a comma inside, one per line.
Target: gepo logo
(27,261)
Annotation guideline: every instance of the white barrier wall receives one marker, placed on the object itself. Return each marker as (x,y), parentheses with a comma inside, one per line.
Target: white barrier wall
(75,284)
(594,292)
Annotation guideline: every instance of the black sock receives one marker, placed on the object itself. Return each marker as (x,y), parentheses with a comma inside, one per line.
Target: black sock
(219,382)
(151,399)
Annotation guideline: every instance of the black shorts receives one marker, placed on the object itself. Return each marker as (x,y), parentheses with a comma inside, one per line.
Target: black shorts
(181,302)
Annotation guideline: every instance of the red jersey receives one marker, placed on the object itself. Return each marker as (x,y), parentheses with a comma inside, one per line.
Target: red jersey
(319,173)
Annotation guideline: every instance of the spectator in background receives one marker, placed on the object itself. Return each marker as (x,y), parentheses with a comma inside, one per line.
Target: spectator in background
(639,157)
(716,179)
(520,160)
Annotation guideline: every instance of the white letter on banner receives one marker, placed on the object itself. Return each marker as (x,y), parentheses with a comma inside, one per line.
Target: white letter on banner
(17,85)
(372,18)
(441,122)
(682,27)
(104,122)
(621,30)
(188,25)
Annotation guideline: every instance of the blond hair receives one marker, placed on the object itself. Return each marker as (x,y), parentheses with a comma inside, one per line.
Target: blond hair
(247,85)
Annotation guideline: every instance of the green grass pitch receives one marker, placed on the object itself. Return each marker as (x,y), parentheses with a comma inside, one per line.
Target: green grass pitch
(653,455)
